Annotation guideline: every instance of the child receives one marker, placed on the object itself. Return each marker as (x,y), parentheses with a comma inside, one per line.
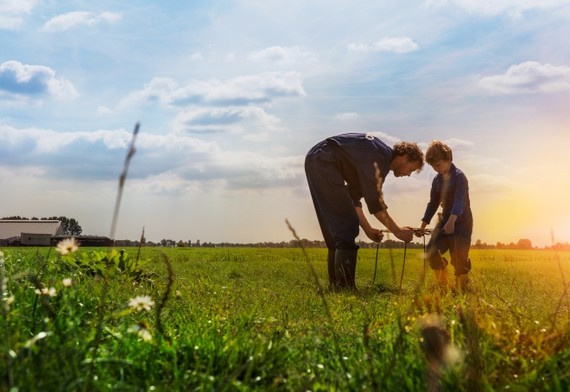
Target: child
(453,230)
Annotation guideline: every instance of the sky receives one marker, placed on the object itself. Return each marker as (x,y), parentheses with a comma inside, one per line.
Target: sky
(230,95)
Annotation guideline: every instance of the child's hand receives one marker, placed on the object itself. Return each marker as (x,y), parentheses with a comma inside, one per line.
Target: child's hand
(449,227)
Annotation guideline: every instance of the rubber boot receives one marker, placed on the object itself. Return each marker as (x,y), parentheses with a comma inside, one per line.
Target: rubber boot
(463,283)
(331,269)
(345,268)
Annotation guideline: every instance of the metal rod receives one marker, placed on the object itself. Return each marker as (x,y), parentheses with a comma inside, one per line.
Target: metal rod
(403,265)
(375,263)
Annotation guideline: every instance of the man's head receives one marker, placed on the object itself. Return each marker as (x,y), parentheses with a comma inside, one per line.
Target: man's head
(439,156)
(408,158)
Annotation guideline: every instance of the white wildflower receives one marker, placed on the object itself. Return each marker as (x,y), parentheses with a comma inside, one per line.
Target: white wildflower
(143,302)
(67,246)
(8,301)
(48,292)
(67,282)
(141,330)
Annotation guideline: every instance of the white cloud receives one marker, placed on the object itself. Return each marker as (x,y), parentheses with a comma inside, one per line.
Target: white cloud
(157,90)
(496,7)
(98,155)
(46,141)
(104,110)
(12,13)
(22,80)
(250,120)
(528,78)
(287,56)
(346,116)
(252,89)
(459,144)
(73,19)
(197,56)
(388,44)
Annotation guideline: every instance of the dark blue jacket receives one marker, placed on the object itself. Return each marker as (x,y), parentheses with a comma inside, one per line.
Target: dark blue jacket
(454,199)
(356,155)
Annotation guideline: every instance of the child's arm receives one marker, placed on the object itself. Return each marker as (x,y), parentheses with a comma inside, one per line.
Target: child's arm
(459,203)
(449,226)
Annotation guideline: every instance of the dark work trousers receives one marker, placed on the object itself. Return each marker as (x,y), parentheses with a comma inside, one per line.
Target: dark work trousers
(457,244)
(334,207)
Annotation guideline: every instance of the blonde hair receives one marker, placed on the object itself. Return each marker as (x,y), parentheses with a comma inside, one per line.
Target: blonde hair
(438,151)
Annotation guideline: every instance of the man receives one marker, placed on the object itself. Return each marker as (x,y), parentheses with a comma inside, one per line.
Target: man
(342,170)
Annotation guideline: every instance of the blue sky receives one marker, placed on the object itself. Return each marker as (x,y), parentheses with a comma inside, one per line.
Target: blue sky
(231,94)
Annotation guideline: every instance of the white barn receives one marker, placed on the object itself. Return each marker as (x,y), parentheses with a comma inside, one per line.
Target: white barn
(30,232)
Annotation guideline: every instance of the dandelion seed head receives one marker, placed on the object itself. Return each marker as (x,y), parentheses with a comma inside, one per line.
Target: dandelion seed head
(67,246)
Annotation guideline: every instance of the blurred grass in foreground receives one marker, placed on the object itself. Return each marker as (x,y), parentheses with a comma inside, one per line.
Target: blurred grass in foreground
(240,319)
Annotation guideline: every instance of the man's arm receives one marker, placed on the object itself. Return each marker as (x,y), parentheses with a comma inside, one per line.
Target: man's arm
(401,233)
(372,233)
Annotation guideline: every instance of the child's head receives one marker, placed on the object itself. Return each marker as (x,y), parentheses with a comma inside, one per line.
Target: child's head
(438,151)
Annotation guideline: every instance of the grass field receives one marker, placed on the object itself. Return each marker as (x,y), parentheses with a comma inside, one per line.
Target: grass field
(234,319)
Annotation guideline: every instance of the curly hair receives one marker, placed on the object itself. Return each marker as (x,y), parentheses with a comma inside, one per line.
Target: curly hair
(438,151)
(412,150)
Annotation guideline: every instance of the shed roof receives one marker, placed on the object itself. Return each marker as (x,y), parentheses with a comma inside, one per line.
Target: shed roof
(15,228)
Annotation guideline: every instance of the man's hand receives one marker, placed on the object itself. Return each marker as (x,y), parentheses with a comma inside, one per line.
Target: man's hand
(405,234)
(375,234)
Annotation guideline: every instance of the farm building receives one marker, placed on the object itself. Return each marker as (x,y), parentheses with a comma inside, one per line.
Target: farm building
(29,232)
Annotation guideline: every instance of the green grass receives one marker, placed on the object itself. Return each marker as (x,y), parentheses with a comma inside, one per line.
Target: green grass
(253,319)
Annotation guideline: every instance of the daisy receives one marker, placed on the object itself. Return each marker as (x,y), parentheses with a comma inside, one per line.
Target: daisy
(66,246)
(143,302)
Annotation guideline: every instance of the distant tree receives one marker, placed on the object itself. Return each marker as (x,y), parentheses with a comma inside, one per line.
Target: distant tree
(524,243)
(70,225)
